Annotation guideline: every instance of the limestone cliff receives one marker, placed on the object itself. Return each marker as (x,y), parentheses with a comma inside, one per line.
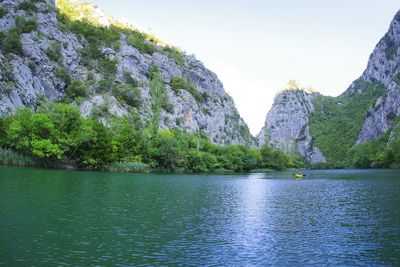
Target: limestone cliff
(365,111)
(53,54)
(286,126)
(383,66)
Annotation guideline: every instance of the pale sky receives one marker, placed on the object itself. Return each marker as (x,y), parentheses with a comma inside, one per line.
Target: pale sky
(255,47)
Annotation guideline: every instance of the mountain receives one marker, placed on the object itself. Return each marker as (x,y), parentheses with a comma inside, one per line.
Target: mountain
(286,126)
(361,123)
(73,52)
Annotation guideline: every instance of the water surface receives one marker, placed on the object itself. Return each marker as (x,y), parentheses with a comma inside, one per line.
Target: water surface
(52,217)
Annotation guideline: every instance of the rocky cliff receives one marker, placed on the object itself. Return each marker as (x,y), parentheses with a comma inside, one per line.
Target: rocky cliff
(383,66)
(47,48)
(323,128)
(286,126)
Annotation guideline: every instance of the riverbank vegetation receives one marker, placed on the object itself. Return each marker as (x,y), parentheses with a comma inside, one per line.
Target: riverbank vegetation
(58,136)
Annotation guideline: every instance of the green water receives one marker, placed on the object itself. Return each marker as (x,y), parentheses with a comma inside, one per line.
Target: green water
(51,217)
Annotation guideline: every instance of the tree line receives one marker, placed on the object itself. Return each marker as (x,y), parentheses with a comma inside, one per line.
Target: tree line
(57,135)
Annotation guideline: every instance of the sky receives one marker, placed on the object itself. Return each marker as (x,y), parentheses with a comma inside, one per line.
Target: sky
(255,47)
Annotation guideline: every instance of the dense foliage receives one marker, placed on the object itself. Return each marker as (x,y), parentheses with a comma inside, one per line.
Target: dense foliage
(378,153)
(336,122)
(57,135)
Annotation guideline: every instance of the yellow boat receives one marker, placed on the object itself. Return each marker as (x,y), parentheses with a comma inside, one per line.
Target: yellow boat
(298,176)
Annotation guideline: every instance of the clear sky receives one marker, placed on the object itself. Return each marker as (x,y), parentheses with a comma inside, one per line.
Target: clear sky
(255,47)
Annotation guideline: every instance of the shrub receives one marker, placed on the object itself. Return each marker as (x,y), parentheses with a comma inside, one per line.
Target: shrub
(173,53)
(25,26)
(108,67)
(137,40)
(11,42)
(391,47)
(128,94)
(98,111)
(391,51)
(53,51)
(89,53)
(63,75)
(396,78)
(176,83)
(104,86)
(76,89)
(27,6)
(129,80)
(8,88)
(63,20)
(152,72)
(93,34)
(3,12)
(167,106)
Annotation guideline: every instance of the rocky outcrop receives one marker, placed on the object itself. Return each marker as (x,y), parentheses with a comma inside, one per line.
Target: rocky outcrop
(381,116)
(286,126)
(33,75)
(383,66)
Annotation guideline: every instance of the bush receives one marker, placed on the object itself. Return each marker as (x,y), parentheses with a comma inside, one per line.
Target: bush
(177,83)
(11,42)
(138,41)
(93,34)
(173,53)
(167,106)
(108,67)
(63,75)
(128,94)
(104,86)
(396,78)
(129,80)
(76,89)
(63,20)
(89,53)
(27,6)
(25,26)
(152,72)
(53,51)
(3,12)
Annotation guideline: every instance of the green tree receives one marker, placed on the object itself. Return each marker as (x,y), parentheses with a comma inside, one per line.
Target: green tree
(157,91)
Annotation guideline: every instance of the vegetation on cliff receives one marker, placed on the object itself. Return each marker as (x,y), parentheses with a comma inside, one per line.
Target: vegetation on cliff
(336,123)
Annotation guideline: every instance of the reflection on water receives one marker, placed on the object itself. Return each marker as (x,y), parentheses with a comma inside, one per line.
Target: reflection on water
(85,218)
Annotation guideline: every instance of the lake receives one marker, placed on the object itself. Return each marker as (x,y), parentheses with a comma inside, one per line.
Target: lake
(334,217)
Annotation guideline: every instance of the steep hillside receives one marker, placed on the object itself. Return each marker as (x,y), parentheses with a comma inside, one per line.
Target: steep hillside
(335,125)
(73,52)
(286,126)
(384,67)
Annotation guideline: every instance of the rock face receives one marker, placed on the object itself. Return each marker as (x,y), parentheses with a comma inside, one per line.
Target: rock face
(286,127)
(32,76)
(383,66)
